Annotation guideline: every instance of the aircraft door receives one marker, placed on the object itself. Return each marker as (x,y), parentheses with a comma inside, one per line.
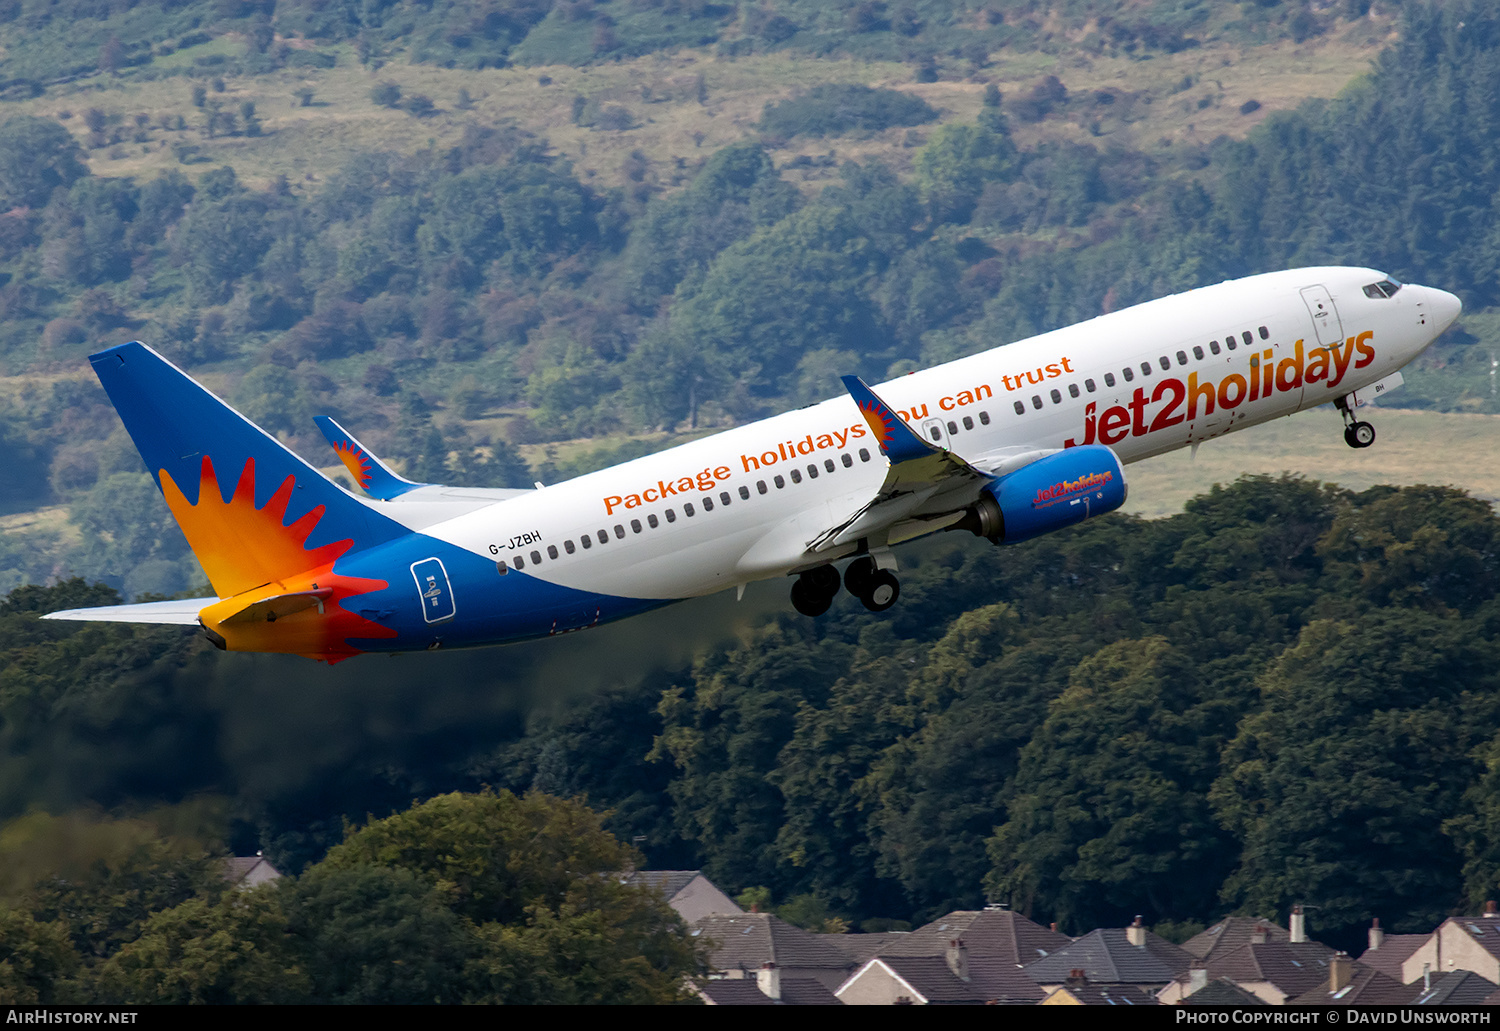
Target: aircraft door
(434,590)
(934,433)
(1325,316)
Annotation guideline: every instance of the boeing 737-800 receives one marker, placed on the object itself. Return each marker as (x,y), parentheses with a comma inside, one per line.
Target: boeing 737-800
(1007,444)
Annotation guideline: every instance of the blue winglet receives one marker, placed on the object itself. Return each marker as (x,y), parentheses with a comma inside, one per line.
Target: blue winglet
(897,441)
(374,476)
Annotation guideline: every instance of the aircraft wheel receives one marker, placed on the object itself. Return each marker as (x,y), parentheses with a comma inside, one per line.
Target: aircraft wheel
(859,576)
(807,599)
(882,592)
(822,580)
(1361,434)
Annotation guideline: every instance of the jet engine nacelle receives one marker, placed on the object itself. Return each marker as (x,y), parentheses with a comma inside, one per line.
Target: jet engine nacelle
(1048,494)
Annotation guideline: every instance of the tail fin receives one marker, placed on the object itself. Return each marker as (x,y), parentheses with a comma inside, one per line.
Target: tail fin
(252,511)
(373,475)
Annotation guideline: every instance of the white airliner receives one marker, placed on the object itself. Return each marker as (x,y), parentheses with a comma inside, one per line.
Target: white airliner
(1008,444)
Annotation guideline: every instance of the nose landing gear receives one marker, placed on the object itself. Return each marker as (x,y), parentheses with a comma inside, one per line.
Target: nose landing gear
(1357,434)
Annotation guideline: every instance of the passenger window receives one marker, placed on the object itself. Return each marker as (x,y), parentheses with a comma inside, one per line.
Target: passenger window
(1088,385)
(1056,396)
(780,483)
(828,464)
(1109,379)
(671,516)
(724,496)
(1020,408)
(952,427)
(588,542)
(1166,363)
(812,471)
(501,567)
(984,418)
(1213,345)
(864,454)
(569,547)
(935,433)
(687,509)
(760,485)
(1181,357)
(1247,338)
(968,423)
(1036,401)
(1229,342)
(847,459)
(1072,389)
(651,521)
(1145,368)
(796,475)
(552,551)
(1129,376)
(619,531)
(708,504)
(635,526)
(520,562)
(536,558)
(603,536)
(1265,334)
(1198,353)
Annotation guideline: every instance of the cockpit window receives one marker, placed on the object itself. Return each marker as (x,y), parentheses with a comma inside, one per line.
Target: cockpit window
(1387,287)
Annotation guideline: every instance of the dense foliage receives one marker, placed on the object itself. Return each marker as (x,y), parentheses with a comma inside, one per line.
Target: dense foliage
(1288,693)
(478,898)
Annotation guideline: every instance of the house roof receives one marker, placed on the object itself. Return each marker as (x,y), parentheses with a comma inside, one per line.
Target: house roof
(748,941)
(668,882)
(997,933)
(1483,930)
(991,979)
(1106,957)
(1367,988)
(1109,994)
(1293,968)
(1222,992)
(745,991)
(1456,988)
(1393,951)
(1232,932)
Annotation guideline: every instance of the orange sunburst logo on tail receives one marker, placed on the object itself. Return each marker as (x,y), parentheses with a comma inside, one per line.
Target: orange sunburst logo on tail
(355,461)
(251,554)
(880,423)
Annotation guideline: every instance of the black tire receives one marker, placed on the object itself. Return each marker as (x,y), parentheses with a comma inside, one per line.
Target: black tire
(883,591)
(1349,436)
(808,601)
(822,580)
(859,575)
(1362,434)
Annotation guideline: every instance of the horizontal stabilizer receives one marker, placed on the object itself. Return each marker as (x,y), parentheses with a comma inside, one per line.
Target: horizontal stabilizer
(375,477)
(269,610)
(183,612)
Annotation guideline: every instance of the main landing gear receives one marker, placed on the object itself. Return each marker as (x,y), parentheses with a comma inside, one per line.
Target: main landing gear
(877,589)
(1356,434)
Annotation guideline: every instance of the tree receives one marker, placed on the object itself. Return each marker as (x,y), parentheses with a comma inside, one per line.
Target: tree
(36,157)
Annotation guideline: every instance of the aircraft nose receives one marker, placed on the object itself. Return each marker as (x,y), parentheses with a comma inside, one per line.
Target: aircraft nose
(1445,307)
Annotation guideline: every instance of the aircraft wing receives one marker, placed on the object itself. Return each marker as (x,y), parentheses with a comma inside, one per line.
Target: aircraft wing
(918,473)
(182,612)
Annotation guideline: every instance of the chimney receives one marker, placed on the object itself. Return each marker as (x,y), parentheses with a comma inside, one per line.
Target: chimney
(1490,911)
(1135,934)
(1340,971)
(1297,925)
(1077,978)
(958,959)
(1258,936)
(1197,977)
(1377,934)
(768,980)
(1054,927)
